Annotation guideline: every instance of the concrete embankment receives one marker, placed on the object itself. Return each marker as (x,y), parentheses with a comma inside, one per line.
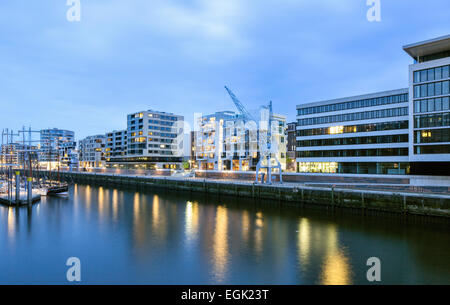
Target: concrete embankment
(294,194)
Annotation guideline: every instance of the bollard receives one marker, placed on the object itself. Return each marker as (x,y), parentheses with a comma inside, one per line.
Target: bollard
(17,187)
(30,190)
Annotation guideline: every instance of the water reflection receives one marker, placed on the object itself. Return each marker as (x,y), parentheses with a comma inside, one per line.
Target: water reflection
(191,223)
(166,238)
(220,248)
(139,222)
(245,225)
(88,199)
(11,224)
(335,268)
(115,204)
(101,204)
(258,234)
(304,243)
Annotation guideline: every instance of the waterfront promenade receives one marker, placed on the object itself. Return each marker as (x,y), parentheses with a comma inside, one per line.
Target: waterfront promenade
(393,197)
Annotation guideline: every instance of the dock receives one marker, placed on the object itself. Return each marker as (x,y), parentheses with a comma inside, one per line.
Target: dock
(23,199)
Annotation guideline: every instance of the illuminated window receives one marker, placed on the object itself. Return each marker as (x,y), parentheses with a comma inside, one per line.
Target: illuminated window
(336,130)
(318,167)
(426,134)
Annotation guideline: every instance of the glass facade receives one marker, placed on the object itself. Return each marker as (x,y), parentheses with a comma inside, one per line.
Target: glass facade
(386,100)
(357,116)
(402,138)
(354,128)
(318,167)
(432,149)
(379,152)
(431,89)
(432,105)
(431,74)
(432,120)
(389,168)
(434,56)
(432,135)
(432,112)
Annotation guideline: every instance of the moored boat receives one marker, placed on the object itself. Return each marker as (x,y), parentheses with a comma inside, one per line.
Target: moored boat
(58,189)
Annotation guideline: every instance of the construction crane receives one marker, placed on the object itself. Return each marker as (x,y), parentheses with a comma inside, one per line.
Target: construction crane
(245,114)
(267,154)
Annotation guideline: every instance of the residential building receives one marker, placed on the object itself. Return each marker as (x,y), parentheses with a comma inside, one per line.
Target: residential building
(226,141)
(18,153)
(154,140)
(115,146)
(193,159)
(91,151)
(51,141)
(291,145)
(68,154)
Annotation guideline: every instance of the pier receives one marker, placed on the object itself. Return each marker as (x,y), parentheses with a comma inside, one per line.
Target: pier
(22,200)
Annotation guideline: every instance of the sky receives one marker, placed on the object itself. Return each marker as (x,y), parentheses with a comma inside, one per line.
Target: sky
(124,56)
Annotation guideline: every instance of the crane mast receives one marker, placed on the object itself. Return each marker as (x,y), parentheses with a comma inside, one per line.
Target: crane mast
(245,114)
(267,155)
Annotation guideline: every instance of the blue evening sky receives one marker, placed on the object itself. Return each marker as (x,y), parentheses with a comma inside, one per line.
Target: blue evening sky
(176,55)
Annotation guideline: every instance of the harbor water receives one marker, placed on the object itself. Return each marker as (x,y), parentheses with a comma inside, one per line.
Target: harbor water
(126,236)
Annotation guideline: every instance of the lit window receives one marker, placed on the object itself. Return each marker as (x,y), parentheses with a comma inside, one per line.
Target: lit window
(336,129)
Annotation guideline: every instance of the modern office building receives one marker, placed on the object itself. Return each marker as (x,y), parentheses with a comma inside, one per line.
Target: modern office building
(51,141)
(154,140)
(91,151)
(404,131)
(429,94)
(225,141)
(115,146)
(365,134)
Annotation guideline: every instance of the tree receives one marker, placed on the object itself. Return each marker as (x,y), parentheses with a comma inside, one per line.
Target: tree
(186,165)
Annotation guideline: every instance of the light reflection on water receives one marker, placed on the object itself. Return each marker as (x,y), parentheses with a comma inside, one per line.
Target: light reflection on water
(134,237)
(191,224)
(220,247)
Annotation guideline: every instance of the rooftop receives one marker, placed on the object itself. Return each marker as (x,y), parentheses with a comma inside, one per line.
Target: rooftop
(428,47)
(354,98)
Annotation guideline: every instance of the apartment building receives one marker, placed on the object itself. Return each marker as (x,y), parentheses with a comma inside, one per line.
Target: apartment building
(291,146)
(68,154)
(51,142)
(226,141)
(154,140)
(91,151)
(115,146)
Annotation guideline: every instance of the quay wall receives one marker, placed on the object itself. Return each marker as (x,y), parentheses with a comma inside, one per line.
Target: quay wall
(405,203)
(307,178)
